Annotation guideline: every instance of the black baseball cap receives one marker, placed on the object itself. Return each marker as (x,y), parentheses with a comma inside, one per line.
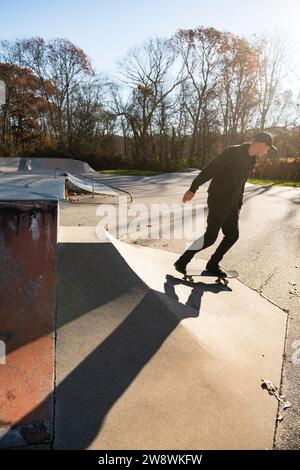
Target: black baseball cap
(264,138)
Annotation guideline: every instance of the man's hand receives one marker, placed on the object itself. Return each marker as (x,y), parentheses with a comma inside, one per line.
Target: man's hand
(188,196)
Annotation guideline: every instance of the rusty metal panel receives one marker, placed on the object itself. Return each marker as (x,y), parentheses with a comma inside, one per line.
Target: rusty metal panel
(28,239)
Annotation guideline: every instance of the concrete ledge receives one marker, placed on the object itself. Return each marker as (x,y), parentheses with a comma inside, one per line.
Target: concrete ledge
(27,318)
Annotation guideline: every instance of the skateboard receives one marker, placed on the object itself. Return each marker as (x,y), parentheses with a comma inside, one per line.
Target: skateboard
(224,280)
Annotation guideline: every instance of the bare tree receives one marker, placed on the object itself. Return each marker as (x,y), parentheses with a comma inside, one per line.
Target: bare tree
(66,67)
(269,75)
(200,51)
(237,93)
(147,71)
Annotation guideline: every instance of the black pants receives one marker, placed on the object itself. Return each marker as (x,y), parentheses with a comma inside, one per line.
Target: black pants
(219,217)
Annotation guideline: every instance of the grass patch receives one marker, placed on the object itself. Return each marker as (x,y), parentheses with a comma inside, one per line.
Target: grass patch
(264,182)
(131,172)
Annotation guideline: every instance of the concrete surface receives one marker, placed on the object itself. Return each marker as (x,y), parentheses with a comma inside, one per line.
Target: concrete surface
(163,365)
(131,358)
(10,164)
(44,178)
(52,164)
(265,256)
(27,291)
(28,186)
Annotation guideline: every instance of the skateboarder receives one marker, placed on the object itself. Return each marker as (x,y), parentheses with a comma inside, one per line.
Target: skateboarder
(228,174)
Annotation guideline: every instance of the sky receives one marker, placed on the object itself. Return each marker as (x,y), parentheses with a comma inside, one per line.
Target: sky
(106,29)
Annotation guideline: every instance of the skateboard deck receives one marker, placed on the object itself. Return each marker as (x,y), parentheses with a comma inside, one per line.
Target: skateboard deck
(191,273)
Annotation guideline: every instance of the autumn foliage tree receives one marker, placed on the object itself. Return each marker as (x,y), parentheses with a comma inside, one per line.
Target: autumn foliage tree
(174,103)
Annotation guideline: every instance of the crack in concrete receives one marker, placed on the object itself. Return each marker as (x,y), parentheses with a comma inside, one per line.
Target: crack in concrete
(266,282)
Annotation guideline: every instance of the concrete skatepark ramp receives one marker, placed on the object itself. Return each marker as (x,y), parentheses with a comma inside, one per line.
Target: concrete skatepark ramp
(31,186)
(52,164)
(45,178)
(13,164)
(9,164)
(142,360)
(134,371)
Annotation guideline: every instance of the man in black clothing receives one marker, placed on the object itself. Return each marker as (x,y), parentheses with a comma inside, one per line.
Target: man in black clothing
(228,173)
